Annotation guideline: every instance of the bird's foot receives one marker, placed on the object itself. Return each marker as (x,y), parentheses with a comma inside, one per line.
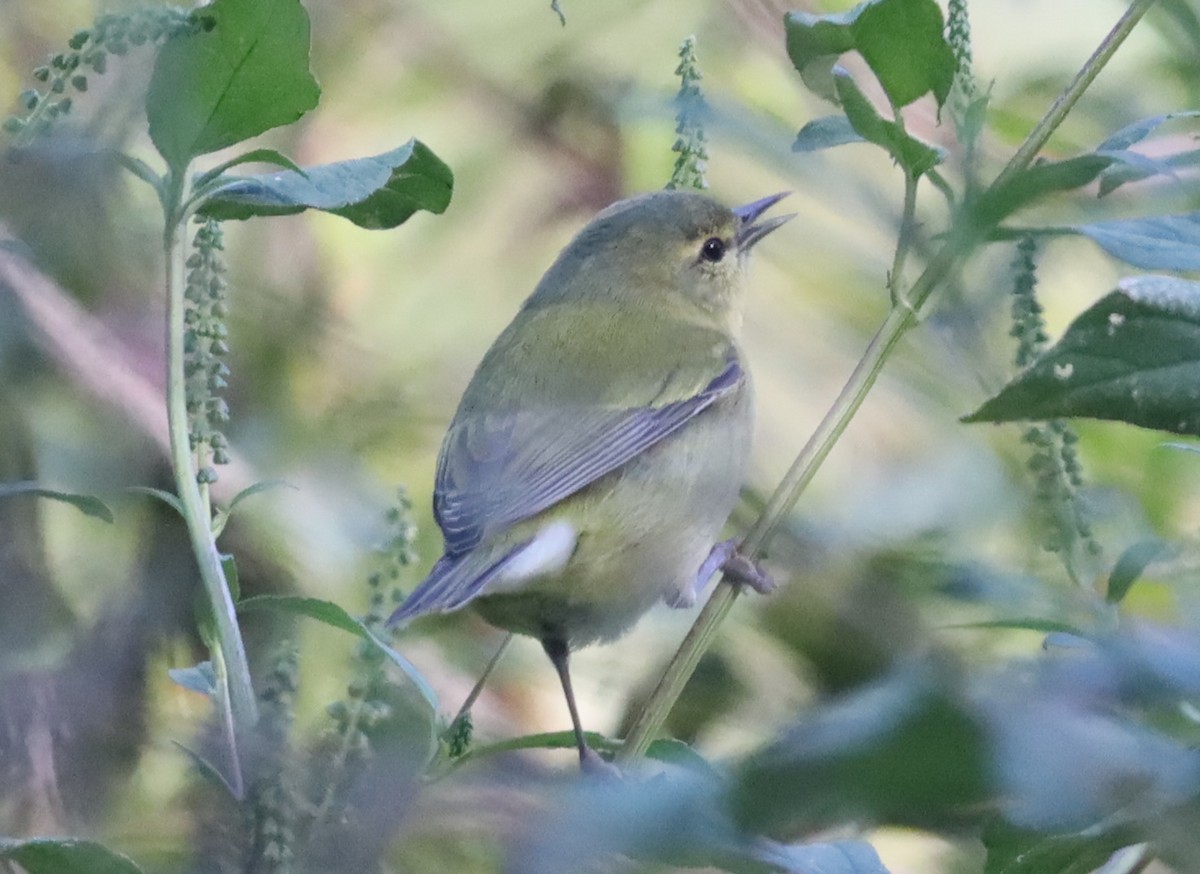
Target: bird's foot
(747,572)
(724,556)
(593,765)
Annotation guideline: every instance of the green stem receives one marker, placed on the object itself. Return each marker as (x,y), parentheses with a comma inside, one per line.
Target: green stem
(965,235)
(195,506)
(346,740)
(904,242)
(1070,96)
(699,637)
(487,672)
(553,740)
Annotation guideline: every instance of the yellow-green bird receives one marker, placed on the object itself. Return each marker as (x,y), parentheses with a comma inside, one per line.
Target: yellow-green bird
(600,446)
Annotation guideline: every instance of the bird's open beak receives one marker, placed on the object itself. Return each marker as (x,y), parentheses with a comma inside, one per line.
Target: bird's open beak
(750,233)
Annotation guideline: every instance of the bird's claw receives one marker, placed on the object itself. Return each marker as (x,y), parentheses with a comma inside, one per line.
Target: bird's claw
(593,765)
(748,572)
(725,557)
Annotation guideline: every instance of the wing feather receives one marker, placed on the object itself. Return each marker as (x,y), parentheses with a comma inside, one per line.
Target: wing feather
(497,469)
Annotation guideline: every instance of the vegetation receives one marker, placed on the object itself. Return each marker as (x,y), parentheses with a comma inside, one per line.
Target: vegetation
(985,654)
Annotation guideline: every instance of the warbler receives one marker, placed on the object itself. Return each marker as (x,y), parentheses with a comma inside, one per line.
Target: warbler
(601,444)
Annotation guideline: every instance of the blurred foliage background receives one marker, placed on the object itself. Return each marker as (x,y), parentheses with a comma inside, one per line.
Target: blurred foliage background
(350,350)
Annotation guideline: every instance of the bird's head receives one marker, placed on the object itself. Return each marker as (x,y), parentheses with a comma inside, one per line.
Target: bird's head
(678,249)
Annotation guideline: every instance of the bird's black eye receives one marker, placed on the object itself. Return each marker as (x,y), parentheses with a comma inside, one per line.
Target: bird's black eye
(713,249)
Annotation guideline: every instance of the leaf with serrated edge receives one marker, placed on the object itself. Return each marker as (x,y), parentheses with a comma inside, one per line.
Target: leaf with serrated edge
(1132,357)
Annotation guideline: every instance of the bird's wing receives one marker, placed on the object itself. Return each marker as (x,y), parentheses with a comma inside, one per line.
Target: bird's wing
(498,469)
(505,462)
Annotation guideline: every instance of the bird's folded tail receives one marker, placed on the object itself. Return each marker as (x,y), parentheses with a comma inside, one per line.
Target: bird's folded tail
(454,581)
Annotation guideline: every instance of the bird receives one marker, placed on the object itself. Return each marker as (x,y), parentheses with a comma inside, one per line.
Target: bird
(602,442)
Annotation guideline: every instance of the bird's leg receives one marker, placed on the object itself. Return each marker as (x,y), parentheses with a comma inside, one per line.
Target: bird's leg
(724,556)
(589,760)
(747,572)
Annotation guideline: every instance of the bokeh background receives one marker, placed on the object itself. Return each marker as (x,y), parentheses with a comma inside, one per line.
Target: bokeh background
(350,349)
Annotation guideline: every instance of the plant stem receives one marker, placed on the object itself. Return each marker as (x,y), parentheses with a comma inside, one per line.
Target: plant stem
(483,678)
(965,235)
(195,506)
(904,242)
(347,738)
(1070,96)
(649,721)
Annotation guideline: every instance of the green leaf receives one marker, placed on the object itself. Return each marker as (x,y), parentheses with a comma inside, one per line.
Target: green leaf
(221,517)
(254,156)
(332,614)
(1128,166)
(313,608)
(1139,130)
(814,43)
(1130,567)
(210,770)
(910,153)
(902,42)
(1024,623)
(1040,180)
(546,740)
(89,505)
(171,500)
(825,133)
(65,856)
(198,678)
(213,87)
(1119,174)
(676,752)
(1011,850)
(1143,165)
(258,488)
(140,169)
(1167,242)
(904,750)
(229,566)
(378,192)
(1132,357)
